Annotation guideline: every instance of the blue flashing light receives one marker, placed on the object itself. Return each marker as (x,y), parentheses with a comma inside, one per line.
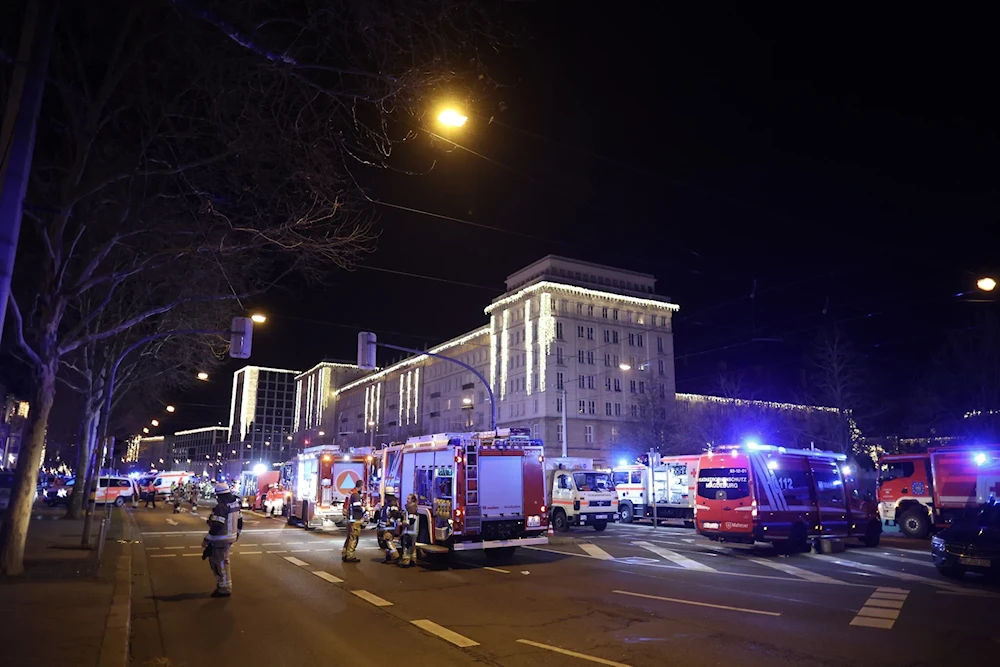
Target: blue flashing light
(980,459)
(772,465)
(622,463)
(752,444)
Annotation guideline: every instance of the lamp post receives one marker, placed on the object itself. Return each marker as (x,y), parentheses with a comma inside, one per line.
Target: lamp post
(371,430)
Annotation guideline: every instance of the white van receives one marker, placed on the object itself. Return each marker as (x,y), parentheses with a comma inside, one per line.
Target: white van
(164,480)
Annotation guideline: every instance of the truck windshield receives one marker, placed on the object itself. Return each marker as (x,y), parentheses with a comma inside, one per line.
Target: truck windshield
(723,483)
(593,481)
(897,469)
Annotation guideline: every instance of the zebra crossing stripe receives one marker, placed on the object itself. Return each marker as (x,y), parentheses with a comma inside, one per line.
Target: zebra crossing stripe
(796,571)
(675,557)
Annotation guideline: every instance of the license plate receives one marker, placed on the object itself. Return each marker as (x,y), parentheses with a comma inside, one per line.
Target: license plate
(710,525)
(534,522)
(974,562)
(601,516)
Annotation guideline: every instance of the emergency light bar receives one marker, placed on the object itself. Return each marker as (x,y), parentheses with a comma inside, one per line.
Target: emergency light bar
(754,447)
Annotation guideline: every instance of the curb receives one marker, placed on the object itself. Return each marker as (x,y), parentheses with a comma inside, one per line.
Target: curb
(115,643)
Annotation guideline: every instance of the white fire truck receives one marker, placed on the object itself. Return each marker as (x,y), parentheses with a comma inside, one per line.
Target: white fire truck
(578,495)
(475,491)
(673,482)
(319,480)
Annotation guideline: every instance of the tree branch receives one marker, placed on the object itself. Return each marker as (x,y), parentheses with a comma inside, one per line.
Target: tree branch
(15,310)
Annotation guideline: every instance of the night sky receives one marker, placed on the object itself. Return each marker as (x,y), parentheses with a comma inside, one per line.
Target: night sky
(837,162)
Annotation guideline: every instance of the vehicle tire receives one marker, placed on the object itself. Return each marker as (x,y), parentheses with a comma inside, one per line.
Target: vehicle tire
(119,501)
(500,553)
(873,535)
(798,541)
(951,572)
(626,512)
(915,523)
(600,525)
(560,523)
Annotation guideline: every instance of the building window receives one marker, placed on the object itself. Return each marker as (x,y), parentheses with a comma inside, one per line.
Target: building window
(631,339)
(659,344)
(618,384)
(591,407)
(588,433)
(559,405)
(579,309)
(590,311)
(660,362)
(536,407)
(583,382)
(559,381)
(607,335)
(615,314)
(590,357)
(607,409)
(607,359)
(614,434)
(635,410)
(590,382)
(582,407)
(631,386)
(618,409)
(559,433)
(642,387)
(559,330)
(579,356)
(607,383)
(579,331)
(559,356)
(614,336)
(590,333)
(638,340)
(604,312)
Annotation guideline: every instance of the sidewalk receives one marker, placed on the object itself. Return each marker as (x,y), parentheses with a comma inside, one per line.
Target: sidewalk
(59,609)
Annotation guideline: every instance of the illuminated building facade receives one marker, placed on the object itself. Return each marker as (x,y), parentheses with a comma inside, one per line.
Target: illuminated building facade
(261,417)
(12,423)
(201,450)
(315,420)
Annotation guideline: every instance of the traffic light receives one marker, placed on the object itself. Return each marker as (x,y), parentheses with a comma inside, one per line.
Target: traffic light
(366,351)
(240,338)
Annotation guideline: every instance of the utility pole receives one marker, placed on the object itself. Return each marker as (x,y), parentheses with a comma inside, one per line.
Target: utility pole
(17,134)
(565,434)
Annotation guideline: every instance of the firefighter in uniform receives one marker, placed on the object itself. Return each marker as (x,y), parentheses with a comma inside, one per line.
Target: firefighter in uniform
(176,496)
(391,523)
(192,496)
(225,523)
(354,512)
(383,518)
(408,540)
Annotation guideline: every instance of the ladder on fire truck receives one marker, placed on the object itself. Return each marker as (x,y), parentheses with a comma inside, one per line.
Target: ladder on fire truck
(473,517)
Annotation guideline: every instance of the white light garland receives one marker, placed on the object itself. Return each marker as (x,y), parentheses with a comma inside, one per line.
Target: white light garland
(299,397)
(494,341)
(504,352)
(409,393)
(399,419)
(367,417)
(327,365)
(416,395)
(546,334)
(742,402)
(378,405)
(192,431)
(581,291)
(528,335)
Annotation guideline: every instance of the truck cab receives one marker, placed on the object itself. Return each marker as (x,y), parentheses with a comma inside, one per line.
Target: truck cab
(579,495)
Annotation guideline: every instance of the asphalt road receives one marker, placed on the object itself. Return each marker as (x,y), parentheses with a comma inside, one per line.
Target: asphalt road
(629,596)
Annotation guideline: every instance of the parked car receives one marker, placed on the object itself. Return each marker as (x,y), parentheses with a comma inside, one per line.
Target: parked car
(972,545)
(59,494)
(114,489)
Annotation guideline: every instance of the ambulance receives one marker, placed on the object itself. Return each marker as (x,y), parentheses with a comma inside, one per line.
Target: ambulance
(673,481)
(579,495)
(480,491)
(761,493)
(320,478)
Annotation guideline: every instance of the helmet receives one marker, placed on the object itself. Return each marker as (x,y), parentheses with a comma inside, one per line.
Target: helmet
(221,488)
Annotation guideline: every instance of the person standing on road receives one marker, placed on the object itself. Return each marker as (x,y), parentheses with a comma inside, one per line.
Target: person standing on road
(176,496)
(391,524)
(354,512)
(408,539)
(225,523)
(150,495)
(192,494)
(383,518)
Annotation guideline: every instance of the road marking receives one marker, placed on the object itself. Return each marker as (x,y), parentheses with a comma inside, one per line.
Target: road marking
(174,547)
(250,545)
(596,551)
(152,548)
(295,561)
(171,533)
(675,557)
(574,654)
(278,551)
(301,551)
(905,576)
(795,571)
(372,598)
(444,633)
(496,569)
(329,577)
(896,559)
(324,549)
(881,609)
(162,555)
(270,544)
(700,604)
(190,555)
(171,522)
(249,553)
(295,543)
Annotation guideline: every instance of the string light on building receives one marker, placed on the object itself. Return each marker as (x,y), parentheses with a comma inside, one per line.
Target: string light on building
(529,350)
(504,351)
(743,402)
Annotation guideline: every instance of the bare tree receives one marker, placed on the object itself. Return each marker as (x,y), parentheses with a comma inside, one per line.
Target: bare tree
(839,379)
(173,141)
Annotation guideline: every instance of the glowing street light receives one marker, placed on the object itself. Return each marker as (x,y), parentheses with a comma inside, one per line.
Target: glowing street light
(625,366)
(452,118)
(171,408)
(986,284)
(145,429)
(203,376)
(322,433)
(155,422)
(466,401)
(258,318)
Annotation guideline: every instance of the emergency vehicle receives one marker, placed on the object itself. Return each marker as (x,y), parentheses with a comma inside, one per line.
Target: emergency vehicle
(673,482)
(578,495)
(254,485)
(320,479)
(475,491)
(762,493)
(931,489)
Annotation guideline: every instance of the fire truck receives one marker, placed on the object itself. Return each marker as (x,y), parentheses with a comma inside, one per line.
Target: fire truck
(673,481)
(319,479)
(762,493)
(475,491)
(578,495)
(931,489)
(254,485)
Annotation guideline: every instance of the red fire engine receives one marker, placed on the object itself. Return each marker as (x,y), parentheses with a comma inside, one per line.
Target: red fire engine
(475,491)
(319,480)
(933,488)
(761,493)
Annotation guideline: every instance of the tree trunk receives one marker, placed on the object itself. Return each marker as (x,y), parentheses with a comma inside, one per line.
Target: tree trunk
(14,531)
(88,434)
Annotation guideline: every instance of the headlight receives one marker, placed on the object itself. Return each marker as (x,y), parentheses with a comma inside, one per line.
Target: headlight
(937,542)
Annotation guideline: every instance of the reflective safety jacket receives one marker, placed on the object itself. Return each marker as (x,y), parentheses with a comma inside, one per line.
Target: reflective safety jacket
(225,523)
(353,507)
(409,521)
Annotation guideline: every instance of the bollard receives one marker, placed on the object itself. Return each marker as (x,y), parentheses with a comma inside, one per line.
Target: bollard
(101,534)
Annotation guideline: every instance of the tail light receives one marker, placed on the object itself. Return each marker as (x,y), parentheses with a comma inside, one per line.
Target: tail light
(753,508)
(458,511)
(542,510)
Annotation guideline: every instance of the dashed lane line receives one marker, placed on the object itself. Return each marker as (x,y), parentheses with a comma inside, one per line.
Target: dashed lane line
(249,553)
(174,547)
(295,561)
(328,577)
(675,557)
(905,576)
(444,633)
(190,555)
(700,604)
(372,598)
(278,551)
(162,555)
(574,654)
(496,569)
(171,533)
(596,551)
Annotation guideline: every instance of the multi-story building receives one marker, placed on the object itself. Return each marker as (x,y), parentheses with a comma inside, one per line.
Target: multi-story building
(261,418)
(12,423)
(201,450)
(569,342)
(155,452)
(315,420)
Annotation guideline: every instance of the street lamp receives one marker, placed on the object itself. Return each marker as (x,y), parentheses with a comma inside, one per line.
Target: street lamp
(171,408)
(322,433)
(986,284)
(371,429)
(625,366)
(452,118)
(155,422)
(203,376)
(466,401)
(258,318)
(145,429)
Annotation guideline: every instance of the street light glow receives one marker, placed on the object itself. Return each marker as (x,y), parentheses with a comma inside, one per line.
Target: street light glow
(624,366)
(986,284)
(171,408)
(145,429)
(155,422)
(203,376)
(452,118)
(322,433)
(466,401)
(371,423)
(258,318)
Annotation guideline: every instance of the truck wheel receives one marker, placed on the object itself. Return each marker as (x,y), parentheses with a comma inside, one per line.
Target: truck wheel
(600,525)
(500,553)
(626,512)
(914,523)
(560,523)
(873,535)
(951,572)
(119,501)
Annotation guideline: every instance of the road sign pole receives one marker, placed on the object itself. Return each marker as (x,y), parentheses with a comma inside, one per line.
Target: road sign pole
(652,485)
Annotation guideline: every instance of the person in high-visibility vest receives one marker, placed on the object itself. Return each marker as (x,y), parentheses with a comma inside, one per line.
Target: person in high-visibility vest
(225,524)
(354,512)
(408,539)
